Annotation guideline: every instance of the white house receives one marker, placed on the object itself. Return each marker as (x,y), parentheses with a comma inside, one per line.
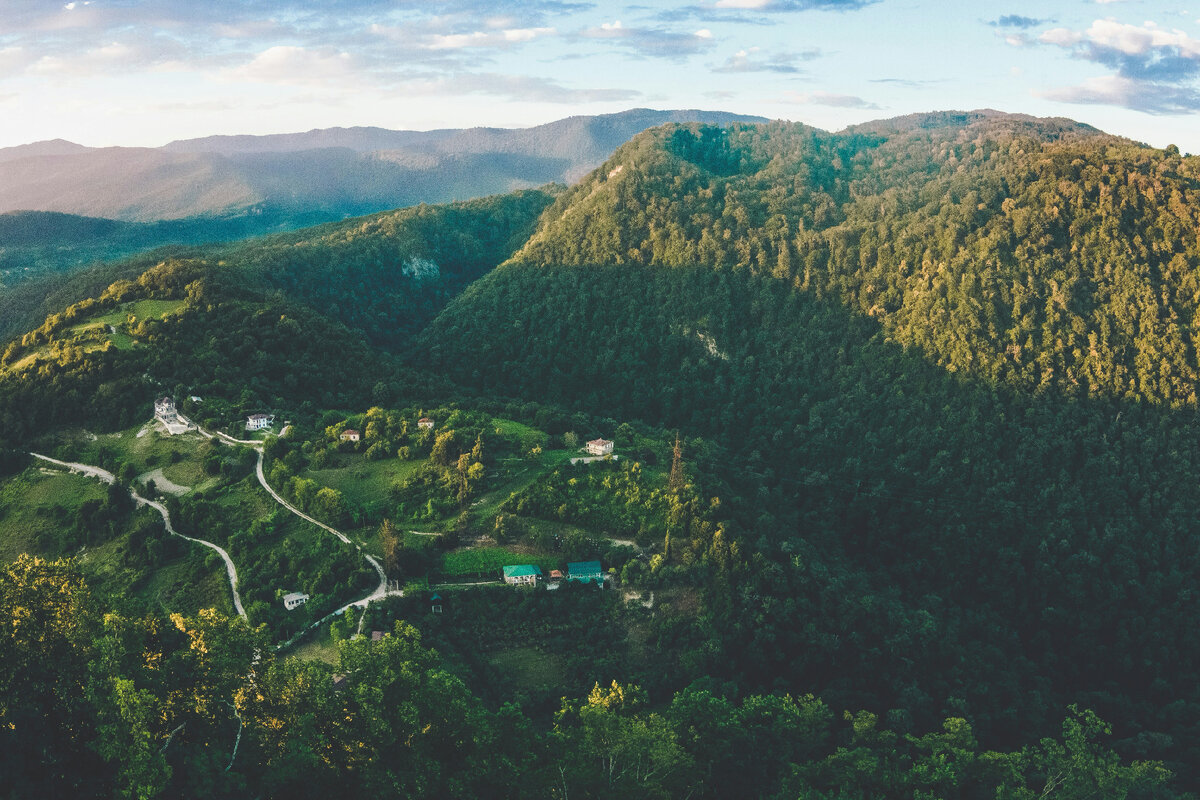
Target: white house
(293,600)
(164,407)
(350,435)
(257,422)
(425,422)
(600,447)
(166,413)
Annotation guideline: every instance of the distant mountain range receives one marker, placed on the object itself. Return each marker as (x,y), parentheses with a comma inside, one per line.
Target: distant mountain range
(328,173)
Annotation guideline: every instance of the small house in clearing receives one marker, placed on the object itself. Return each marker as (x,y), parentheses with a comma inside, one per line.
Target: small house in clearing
(600,447)
(425,422)
(257,422)
(522,574)
(585,571)
(293,600)
(350,435)
(435,604)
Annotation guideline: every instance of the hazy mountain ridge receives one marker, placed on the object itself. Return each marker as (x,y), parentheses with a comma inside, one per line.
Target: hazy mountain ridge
(341,171)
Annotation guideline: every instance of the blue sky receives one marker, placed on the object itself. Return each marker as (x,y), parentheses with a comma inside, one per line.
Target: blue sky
(107,72)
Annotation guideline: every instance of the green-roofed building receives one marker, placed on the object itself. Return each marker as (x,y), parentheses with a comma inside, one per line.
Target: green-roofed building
(522,574)
(586,571)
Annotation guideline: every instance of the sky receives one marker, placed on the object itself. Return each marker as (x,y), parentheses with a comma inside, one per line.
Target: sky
(122,72)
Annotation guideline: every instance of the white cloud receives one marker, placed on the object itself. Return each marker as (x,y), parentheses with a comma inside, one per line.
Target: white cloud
(516,87)
(1062,37)
(820,98)
(14,60)
(1135,40)
(501,38)
(288,64)
(1114,90)
(1153,69)
(743,3)
(652,42)
(749,60)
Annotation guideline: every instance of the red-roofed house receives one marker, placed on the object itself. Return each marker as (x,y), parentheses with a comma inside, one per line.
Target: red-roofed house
(350,435)
(425,422)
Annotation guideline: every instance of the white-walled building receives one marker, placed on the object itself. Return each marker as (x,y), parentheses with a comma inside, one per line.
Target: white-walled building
(257,422)
(600,447)
(293,600)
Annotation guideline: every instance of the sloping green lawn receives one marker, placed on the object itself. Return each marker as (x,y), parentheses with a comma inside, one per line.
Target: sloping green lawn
(365,483)
(487,562)
(34,507)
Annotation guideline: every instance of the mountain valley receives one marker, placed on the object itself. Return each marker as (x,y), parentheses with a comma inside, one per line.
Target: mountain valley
(885,443)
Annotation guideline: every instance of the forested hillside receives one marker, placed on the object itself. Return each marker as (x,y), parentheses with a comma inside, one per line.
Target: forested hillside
(1033,254)
(119,705)
(954,360)
(243,321)
(386,273)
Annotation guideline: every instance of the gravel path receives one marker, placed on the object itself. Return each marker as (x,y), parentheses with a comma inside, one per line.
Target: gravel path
(163,483)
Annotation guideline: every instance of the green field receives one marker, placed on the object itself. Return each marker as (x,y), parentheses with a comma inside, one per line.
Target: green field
(181,458)
(529,668)
(184,584)
(139,310)
(320,646)
(528,436)
(93,334)
(33,506)
(37,510)
(488,561)
(365,483)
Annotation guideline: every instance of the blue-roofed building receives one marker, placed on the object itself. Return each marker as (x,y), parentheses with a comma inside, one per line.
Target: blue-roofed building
(586,571)
(522,574)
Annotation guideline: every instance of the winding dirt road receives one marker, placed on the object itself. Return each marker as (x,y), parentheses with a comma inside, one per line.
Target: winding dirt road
(107,477)
(378,593)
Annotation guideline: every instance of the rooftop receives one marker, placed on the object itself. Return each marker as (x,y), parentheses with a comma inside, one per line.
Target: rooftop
(522,570)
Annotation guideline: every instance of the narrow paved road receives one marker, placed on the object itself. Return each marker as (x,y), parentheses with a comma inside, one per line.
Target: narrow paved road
(381,591)
(278,499)
(108,477)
